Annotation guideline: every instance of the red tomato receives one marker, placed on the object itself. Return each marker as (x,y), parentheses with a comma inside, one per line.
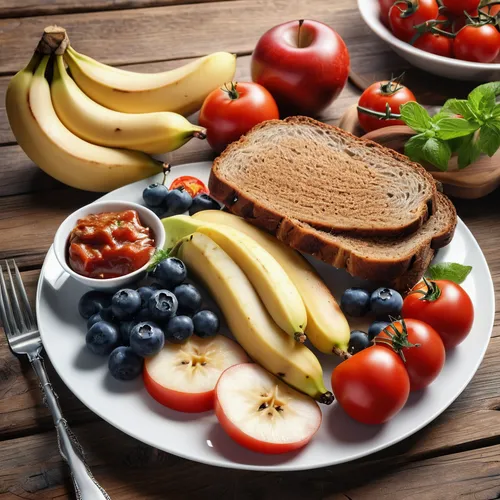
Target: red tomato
(478,43)
(232,110)
(192,185)
(458,7)
(492,10)
(385,7)
(371,386)
(376,97)
(458,22)
(425,360)
(446,307)
(435,43)
(403,18)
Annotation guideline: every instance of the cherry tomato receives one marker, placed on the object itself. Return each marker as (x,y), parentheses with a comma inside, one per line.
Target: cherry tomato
(445,306)
(385,7)
(371,386)
(376,97)
(435,43)
(478,43)
(192,185)
(492,10)
(425,360)
(232,110)
(458,7)
(403,17)
(458,22)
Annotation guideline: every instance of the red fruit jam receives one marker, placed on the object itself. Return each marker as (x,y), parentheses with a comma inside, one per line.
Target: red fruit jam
(109,244)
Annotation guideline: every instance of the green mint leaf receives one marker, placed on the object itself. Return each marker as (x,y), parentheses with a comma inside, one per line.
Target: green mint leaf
(482,98)
(489,139)
(442,114)
(415,116)
(495,114)
(413,147)
(469,151)
(437,152)
(159,255)
(451,128)
(449,271)
(459,107)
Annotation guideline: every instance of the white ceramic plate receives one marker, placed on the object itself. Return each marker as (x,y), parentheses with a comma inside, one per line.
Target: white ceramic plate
(127,406)
(442,66)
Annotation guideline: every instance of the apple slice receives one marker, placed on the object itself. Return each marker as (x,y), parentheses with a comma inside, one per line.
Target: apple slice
(262,413)
(183,376)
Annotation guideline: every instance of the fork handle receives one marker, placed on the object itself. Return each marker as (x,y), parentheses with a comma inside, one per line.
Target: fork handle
(86,487)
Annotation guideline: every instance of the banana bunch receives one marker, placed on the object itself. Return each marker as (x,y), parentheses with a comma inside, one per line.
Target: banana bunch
(94,130)
(269,294)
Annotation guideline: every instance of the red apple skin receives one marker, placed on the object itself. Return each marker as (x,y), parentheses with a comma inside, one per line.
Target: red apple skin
(305,79)
(250,442)
(179,401)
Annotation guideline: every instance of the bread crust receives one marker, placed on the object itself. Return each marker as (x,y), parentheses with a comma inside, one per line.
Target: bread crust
(265,217)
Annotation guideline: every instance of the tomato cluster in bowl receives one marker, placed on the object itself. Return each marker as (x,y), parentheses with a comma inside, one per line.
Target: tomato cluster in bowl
(463,29)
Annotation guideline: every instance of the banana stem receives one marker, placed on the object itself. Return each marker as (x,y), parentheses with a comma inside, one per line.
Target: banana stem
(54,41)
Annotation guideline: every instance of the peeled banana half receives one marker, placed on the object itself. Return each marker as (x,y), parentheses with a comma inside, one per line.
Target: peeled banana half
(181,90)
(152,133)
(59,152)
(248,319)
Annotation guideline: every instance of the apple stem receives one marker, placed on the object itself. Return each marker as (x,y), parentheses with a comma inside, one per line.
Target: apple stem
(301,22)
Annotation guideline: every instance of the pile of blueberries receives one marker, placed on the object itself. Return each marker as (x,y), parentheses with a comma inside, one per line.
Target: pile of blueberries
(133,324)
(383,303)
(164,203)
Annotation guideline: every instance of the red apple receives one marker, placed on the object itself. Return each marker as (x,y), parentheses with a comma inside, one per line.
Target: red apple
(304,64)
(183,376)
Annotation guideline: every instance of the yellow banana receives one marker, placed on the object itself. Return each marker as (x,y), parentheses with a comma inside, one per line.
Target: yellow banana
(279,295)
(327,327)
(153,133)
(248,319)
(56,150)
(181,90)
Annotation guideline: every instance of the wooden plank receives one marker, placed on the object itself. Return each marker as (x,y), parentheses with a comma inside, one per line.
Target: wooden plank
(30,467)
(175,32)
(14,8)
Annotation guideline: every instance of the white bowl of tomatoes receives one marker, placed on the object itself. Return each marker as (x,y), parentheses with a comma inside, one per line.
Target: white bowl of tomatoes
(440,53)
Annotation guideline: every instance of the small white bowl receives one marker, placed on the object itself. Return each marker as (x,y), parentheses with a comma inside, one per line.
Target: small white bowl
(147,217)
(442,66)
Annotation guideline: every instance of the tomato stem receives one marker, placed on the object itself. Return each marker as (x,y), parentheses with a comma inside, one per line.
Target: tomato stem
(387,115)
(398,340)
(232,93)
(432,293)
(392,86)
(411,6)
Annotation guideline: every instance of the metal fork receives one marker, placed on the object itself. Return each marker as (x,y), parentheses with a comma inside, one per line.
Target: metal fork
(23,337)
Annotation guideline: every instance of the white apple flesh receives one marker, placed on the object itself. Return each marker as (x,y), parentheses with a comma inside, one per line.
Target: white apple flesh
(183,376)
(262,413)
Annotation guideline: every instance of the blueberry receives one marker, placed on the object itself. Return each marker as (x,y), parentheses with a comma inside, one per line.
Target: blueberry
(355,302)
(147,339)
(375,328)
(125,364)
(92,302)
(179,329)
(160,212)
(156,286)
(206,323)
(155,195)
(189,299)
(170,272)
(102,338)
(145,293)
(125,303)
(178,201)
(162,305)
(95,318)
(203,202)
(385,302)
(125,330)
(143,315)
(107,314)
(359,340)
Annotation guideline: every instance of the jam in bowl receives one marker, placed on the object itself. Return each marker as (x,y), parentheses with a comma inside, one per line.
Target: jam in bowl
(108,244)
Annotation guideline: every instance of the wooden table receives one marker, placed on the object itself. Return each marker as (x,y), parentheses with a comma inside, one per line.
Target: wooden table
(457,456)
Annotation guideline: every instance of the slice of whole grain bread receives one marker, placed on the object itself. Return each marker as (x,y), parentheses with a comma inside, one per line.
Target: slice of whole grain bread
(399,263)
(304,170)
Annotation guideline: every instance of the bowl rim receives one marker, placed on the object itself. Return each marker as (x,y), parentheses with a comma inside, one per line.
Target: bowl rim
(64,229)
(376,25)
